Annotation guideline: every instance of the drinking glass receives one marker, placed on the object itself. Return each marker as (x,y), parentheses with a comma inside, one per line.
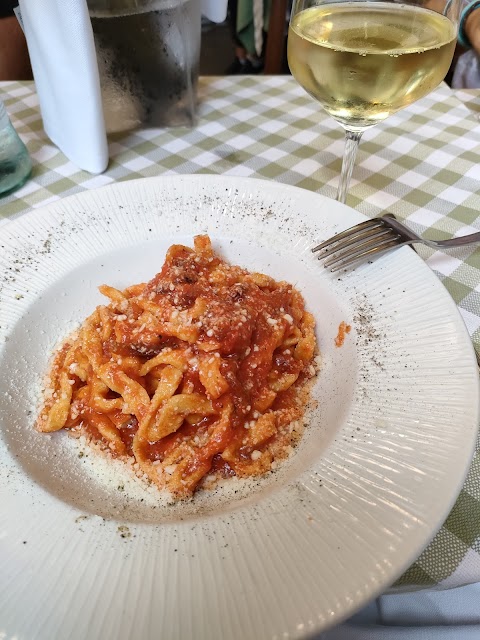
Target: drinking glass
(364,60)
(15,163)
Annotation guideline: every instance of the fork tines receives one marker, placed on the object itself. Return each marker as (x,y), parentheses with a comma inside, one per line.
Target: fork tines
(357,243)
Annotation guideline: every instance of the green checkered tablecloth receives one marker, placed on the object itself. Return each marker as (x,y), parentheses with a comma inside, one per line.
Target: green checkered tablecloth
(422,164)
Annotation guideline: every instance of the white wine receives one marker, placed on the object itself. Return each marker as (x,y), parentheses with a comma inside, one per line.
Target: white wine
(366,60)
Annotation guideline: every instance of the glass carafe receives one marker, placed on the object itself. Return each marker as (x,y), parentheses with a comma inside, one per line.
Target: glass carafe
(148,56)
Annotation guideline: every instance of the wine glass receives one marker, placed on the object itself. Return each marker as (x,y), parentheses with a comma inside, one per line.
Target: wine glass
(364,60)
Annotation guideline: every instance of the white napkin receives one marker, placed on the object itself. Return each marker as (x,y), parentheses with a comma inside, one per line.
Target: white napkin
(64,63)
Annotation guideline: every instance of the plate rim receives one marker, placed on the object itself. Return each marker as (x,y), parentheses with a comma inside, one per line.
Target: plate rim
(44,211)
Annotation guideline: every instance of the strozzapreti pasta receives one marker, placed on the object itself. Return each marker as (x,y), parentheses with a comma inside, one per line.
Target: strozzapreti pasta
(202,372)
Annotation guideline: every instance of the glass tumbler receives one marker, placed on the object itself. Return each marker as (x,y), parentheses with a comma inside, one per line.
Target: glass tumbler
(15,163)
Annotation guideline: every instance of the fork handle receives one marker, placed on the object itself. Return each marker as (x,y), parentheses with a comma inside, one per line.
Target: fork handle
(462,241)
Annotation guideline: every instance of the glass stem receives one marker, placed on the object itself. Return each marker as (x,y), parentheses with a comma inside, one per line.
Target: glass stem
(352,139)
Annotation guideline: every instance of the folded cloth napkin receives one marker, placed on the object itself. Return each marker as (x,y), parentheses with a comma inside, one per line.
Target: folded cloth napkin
(62,53)
(64,63)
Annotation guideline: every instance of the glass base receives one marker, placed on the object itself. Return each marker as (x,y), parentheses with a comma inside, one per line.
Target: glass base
(16,186)
(13,174)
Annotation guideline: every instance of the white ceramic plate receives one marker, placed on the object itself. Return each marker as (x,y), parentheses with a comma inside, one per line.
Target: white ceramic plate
(88,552)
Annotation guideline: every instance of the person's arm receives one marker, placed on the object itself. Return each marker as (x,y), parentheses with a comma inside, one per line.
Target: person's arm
(471,28)
(14,59)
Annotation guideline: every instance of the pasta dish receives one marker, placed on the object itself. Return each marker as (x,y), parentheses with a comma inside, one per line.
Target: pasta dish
(201,373)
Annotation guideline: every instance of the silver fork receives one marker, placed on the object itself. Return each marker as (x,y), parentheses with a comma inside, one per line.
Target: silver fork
(374,237)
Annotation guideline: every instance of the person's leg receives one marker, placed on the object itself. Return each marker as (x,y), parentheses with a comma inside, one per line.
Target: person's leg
(245,62)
